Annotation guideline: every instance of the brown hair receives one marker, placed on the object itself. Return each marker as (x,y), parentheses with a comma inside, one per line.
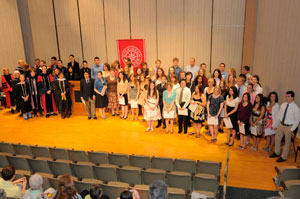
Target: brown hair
(175,59)
(5,69)
(154,90)
(169,84)
(135,79)
(65,188)
(176,78)
(162,74)
(107,66)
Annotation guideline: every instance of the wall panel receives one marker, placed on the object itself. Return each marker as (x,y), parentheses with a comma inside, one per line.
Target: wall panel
(43,29)
(143,26)
(197,31)
(228,31)
(66,12)
(170,31)
(11,41)
(117,25)
(93,30)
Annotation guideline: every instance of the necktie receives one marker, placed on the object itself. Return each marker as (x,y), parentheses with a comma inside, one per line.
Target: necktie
(284,115)
(180,97)
(87,81)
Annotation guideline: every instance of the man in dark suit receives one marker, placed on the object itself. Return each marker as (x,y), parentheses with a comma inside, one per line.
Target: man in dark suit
(87,95)
(161,88)
(84,69)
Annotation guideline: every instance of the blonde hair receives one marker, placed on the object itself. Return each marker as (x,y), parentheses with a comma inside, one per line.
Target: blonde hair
(5,69)
(211,80)
(219,89)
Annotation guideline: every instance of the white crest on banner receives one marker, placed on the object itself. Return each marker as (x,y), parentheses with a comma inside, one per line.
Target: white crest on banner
(133,53)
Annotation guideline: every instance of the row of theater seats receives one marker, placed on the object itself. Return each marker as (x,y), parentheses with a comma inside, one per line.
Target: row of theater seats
(287,181)
(117,170)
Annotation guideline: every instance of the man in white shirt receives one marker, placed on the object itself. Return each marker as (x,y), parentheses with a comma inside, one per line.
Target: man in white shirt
(183,97)
(192,68)
(285,124)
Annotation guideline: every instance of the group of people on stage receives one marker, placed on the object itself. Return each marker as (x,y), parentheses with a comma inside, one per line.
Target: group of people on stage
(219,100)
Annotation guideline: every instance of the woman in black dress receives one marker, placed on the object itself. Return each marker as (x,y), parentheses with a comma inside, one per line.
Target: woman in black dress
(231,107)
(23,94)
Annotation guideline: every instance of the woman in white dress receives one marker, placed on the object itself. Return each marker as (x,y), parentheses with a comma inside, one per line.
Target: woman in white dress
(152,111)
(272,112)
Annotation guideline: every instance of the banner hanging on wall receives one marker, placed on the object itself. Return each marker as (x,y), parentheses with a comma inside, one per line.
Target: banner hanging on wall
(133,49)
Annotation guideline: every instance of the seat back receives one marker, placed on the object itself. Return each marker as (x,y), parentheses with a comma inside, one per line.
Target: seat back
(180,179)
(39,166)
(7,148)
(129,175)
(185,165)
(22,149)
(289,174)
(202,183)
(3,161)
(293,191)
(19,163)
(209,167)
(152,175)
(113,191)
(105,173)
(98,157)
(176,193)
(162,163)
(40,151)
(53,183)
(81,186)
(118,159)
(140,161)
(83,171)
(59,153)
(143,191)
(60,168)
(78,156)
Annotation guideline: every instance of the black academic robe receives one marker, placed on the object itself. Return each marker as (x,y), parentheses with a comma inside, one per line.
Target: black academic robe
(48,101)
(15,93)
(35,98)
(63,86)
(75,67)
(22,90)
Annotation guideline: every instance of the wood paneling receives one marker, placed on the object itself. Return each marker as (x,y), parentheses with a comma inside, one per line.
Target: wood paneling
(11,40)
(43,29)
(68,29)
(170,18)
(143,26)
(227,36)
(117,25)
(197,31)
(277,46)
(93,30)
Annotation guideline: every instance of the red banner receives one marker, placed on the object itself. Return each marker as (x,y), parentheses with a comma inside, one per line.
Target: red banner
(133,49)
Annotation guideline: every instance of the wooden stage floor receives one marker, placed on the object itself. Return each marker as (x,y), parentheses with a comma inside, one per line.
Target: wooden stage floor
(247,169)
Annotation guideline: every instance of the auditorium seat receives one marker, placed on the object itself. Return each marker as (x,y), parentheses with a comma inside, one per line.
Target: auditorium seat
(98,157)
(23,150)
(6,149)
(162,163)
(143,191)
(151,175)
(284,174)
(114,189)
(206,184)
(85,185)
(82,171)
(53,183)
(39,166)
(289,183)
(176,193)
(130,175)
(209,167)
(41,152)
(185,165)
(3,161)
(59,154)
(79,157)
(60,168)
(19,163)
(180,179)
(119,159)
(293,192)
(141,161)
(106,172)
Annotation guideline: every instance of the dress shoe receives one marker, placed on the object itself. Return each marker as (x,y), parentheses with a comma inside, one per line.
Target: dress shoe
(280,160)
(47,115)
(95,118)
(158,125)
(12,111)
(164,126)
(89,118)
(179,131)
(274,155)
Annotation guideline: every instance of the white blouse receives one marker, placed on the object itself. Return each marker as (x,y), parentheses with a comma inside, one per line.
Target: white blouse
(233,102)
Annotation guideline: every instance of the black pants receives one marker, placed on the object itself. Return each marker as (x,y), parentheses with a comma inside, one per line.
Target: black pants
(181,119)
(161,107)
(49,103)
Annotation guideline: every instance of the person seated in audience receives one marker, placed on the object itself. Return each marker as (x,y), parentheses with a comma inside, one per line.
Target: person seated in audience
(256,85)
(159,74)
(241,87)
(112,94)
(222,70)
(96,192)
(7,88)
(13,188)
(106,70)
(45,86)
(87,95)
(177,68)
(285,124)
(96,67)
(85,68)
(182,75)
(20,66)
(161,88)
(183,98)
(100,88)
(129,194)
(157,65)
(152,111)
(188,78)
(204,78)
(122,89)
(217,76)
(145,68)
(272,112)
(66,189)
(158,190)
(2,194)
(53,64)
(71,75)
(256,120)
(169,96)
(215,105)
(23,97)
(35,190)
(174,82)
(61,68)
(62,93)
(192,68)
(244,114)
(74,65)
(133,96)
